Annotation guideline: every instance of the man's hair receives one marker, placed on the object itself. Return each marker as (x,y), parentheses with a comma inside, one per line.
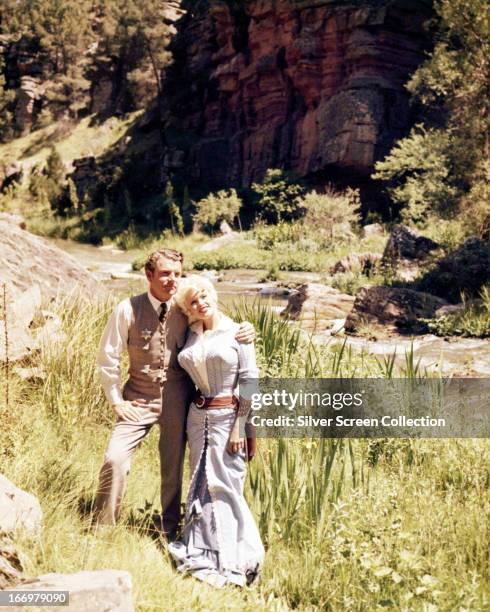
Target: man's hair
(171,254)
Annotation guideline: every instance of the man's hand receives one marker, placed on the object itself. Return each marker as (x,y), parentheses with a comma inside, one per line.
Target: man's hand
(246,333)
(128,411)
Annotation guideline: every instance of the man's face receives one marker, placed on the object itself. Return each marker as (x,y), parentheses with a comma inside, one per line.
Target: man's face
(164,279)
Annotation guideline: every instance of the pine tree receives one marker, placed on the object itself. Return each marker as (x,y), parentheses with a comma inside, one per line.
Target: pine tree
(7,98)
(135,36)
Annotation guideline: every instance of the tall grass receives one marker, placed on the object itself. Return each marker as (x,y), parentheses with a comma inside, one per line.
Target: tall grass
(357,524)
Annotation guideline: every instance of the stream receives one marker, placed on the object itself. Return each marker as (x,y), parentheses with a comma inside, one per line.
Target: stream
(453,356)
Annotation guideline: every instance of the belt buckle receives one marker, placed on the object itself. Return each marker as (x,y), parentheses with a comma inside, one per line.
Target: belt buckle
(200,402)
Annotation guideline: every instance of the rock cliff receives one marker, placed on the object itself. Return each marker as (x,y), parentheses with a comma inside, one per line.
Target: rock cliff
(315,87)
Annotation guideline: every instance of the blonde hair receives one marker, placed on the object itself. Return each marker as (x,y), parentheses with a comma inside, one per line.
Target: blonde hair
(191,285)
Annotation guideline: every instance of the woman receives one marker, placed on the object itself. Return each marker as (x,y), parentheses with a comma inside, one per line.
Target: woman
(220,542)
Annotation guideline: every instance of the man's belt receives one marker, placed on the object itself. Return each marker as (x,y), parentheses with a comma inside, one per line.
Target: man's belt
(208,403)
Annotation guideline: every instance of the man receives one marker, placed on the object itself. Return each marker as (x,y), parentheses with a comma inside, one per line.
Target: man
(153,329)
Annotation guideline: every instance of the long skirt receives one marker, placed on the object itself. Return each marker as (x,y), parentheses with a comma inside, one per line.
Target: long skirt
(220,541)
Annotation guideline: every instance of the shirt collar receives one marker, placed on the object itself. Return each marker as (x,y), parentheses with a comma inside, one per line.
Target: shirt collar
(156,303)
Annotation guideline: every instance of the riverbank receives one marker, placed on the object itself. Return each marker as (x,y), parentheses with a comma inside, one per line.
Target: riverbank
(449,356)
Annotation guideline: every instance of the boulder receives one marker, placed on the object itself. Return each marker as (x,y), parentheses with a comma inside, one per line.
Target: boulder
(361,262)
(391,309)
(465,270)
(27,260)
(224,228)
(315,306)
(20,312)
(107,590)
(19,511)
(372,229)
(10,565)
(406,251)
(15,219)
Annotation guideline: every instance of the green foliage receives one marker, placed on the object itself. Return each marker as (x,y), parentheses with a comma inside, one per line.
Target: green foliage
(283,236)
(441,168)
(242,256)
(135,37)
(176,217)
(350,282)
(217,207)
(420,174)
(7,98)
(391,524)
(78,41)
(472,320)
(277,197)
(331,216)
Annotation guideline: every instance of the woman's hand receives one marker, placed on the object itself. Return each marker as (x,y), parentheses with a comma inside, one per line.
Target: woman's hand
(235,443)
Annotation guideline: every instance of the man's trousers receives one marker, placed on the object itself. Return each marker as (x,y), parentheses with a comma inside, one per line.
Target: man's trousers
(126,436)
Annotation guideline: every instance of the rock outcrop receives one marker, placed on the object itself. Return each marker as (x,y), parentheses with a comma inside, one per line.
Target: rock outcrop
(27,260)
(314,86)
(357,262)
(315,306)
(10,565)
(407,251)
(108,590)
(463,271)
(390,309)
(19,511)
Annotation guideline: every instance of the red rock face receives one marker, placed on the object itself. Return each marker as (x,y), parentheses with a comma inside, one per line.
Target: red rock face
(315,87)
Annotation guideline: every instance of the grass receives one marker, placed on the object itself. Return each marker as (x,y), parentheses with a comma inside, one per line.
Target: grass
(348,524)
(72,141)
(473,320)
(248,253)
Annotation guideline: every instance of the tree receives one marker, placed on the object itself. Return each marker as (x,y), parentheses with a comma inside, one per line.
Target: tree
(277,197)
(135,37)
(421,175)
(63,31)
(440,167)
(217,207)
(7,98)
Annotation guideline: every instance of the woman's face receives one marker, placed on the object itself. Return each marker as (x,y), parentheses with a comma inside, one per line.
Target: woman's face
(201,305)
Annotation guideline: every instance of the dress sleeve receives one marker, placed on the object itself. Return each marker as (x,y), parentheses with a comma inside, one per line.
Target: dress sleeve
(248,375)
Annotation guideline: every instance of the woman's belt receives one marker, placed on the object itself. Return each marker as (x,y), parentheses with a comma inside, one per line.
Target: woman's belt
(221,401)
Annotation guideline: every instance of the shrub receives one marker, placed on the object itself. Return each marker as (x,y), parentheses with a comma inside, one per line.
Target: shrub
(419,175)
(277,197)
(270,237)
(350,282)
(472,320)
(331,215)
(217,207)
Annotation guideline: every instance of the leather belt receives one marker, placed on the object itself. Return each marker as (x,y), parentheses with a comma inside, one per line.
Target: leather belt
(207,403)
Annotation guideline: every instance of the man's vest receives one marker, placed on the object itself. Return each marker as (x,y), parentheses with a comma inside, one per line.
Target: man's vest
(153,347)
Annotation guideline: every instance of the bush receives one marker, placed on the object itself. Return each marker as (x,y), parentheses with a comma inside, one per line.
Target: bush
(350,282)
(419,175)
(270,237)
(217,207)
(331,215)
(473,320)
(277,197)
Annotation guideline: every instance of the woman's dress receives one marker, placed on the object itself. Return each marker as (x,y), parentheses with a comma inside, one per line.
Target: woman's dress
(220,541)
